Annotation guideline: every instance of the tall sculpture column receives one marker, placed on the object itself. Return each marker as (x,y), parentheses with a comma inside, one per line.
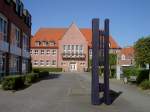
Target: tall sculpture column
(106,62)
(95,63)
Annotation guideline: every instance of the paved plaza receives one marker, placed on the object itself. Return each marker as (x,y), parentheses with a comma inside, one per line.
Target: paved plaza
(70,92)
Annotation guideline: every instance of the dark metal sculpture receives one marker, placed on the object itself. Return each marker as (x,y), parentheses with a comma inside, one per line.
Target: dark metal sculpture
(100,58)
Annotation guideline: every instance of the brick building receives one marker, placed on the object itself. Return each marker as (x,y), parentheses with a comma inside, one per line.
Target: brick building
(67,48)
(125,59)
(15,33)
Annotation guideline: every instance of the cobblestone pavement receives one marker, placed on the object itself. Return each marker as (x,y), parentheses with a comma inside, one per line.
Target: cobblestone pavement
(70,92)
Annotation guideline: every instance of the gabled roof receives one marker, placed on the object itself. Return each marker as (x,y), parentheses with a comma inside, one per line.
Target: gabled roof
(48,34)
(55,34)
(127,51)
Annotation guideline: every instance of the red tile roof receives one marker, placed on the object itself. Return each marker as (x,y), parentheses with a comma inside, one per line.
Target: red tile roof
(55,34)
(127,51)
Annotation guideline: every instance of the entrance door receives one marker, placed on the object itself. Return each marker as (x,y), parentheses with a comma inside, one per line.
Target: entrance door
(73,67)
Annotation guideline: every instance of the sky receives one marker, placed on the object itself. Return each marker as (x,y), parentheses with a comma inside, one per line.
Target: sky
(129,19)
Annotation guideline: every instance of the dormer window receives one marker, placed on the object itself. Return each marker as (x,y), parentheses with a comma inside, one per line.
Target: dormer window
(37,43)
(51,43)
(8,1)
(45,43)
(123,57)
(21,7)
(17,5)
(27,17)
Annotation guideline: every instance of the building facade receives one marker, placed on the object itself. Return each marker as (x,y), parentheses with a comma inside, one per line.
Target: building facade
(67,48)
(15,33)
(126,57)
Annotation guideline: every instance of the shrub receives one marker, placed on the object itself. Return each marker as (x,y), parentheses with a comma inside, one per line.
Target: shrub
(31,78)
(143,75)
(43,74)
(13,82)
(37,70)
(145,85)
(113,72)
(130,71)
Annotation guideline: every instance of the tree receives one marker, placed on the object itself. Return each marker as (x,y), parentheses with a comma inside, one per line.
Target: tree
(112,60)
(142,51)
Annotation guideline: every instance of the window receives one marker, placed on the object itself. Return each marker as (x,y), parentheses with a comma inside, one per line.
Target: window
(90,52)
(36,62)
(80,49)
(14,67)
(77,49)
(48,52)
(47,63)
(72,49)
(53,52)
(45,43)
(63,63)
(37,43)
(123,57)
(21,7)
(82,64)
(51,43)
(65,49)
(17,6)
(42,51)
(42,62)
(69,49)
(17,35)
(36,52)
(25,42)
(30,51)
(3,28)
(53,62)
(2,63)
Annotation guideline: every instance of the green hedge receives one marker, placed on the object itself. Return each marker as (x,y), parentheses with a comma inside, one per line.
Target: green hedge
(37,70)
(130,71)
(13,82)
(143,75)
(31,78)
(145,84)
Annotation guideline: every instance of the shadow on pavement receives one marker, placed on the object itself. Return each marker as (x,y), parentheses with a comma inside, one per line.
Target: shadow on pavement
(52,76)
(114,95)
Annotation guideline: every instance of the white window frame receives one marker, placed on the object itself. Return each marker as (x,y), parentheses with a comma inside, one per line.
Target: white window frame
(53,63)
(36,52)
(48,52)
(35,63)
(53,52)
(42,52)
(47,62)
(42,63)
